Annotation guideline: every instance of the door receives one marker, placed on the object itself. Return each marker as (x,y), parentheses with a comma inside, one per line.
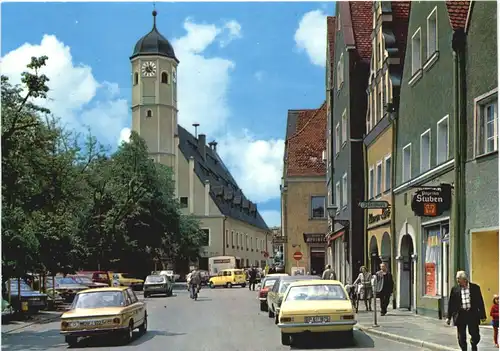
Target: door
(317,261)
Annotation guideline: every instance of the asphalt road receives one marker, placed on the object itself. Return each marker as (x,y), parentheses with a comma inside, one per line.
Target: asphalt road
(221,320)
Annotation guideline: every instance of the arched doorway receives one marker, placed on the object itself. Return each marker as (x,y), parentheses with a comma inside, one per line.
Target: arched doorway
(406,274)
(374,255)
(385,250)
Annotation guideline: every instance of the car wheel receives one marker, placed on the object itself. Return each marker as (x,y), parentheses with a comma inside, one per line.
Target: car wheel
(129,333)
(263,306)
(146,295)
(285,339)
(71,340)
(349,337)
(211,285)
(144,327)
(229,285)
(270,313)
(243,285)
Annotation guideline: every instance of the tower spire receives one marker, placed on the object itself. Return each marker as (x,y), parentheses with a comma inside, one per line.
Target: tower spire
(154,15)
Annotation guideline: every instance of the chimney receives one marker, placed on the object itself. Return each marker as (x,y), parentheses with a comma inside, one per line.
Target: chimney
(213,145)
(202,144)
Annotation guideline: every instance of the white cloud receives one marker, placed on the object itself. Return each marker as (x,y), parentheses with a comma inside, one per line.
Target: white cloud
(272,217)
(255,164)
(259,75)
(310,36)
(72,88)
(233,30)
(124,136)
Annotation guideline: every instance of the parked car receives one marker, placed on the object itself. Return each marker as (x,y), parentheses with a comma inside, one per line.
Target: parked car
(277,291)
(228,278)
(173,276)
(66,287)
(112,310)
(158,284)
(125,279)
(97,276)
(315,306)
(264,287)
(36,300)
(85,280)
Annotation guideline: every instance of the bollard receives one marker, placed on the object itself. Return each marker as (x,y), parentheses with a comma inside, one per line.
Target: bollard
(374,289)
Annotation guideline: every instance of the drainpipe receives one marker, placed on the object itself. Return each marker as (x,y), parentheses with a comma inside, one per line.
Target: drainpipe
(365,212)
(460,147)
(394,121)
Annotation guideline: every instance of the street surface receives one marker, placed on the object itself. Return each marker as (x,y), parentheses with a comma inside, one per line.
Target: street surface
(221,320)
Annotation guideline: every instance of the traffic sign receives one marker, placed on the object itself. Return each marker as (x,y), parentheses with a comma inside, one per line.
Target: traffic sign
(369,205)
(297,256)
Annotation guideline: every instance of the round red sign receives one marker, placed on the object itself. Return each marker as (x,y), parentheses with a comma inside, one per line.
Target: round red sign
(297,256)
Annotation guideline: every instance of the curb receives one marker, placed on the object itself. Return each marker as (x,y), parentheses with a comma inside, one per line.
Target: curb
(29,324)
(404,339)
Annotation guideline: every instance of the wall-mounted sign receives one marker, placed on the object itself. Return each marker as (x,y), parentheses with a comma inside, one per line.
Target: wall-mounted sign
(368,205)
(314,238)
(222,261)
(431,201)
(374,218)
(279,240)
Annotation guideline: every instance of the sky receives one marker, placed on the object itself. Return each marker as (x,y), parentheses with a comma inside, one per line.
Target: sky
(242,67)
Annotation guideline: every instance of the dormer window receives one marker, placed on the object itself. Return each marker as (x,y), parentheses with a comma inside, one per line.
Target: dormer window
(136,78)
(164,78)
(149,113)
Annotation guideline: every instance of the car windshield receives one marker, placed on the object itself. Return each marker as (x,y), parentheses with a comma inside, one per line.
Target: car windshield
(83,279)
(155,279)
(316,293)
(269,282)
(67,280)
(99,299)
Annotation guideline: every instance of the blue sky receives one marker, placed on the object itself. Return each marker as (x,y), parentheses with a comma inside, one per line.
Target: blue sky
(243,65)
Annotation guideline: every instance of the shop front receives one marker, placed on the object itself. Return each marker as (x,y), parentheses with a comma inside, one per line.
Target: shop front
(316,243)
(379,239)
(423,256)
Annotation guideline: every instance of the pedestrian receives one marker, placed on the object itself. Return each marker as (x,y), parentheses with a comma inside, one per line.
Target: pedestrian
(494,317)
(252,278)
(466,308)
(363,287)
(329,273)
(384,288)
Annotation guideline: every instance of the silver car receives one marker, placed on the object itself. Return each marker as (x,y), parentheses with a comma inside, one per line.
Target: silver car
(158,285)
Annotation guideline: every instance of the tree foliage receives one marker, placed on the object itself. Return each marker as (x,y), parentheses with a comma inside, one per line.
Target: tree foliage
(67,203)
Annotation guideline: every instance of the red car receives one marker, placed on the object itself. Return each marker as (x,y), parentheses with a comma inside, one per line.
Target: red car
(266,285)
(97,276)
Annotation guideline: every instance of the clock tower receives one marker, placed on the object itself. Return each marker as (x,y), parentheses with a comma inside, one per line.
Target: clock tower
(154,96)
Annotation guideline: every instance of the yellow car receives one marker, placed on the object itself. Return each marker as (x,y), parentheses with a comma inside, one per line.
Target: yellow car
(115,310)
(228,278)
(125,279)
(317,306)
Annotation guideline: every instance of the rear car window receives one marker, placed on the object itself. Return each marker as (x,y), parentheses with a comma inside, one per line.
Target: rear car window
(238,272)
(269,283)
(316,293)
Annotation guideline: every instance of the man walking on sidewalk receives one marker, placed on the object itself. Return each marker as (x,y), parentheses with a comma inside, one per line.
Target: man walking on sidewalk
(466,308)
(384,288)
(252,278)
(329,273)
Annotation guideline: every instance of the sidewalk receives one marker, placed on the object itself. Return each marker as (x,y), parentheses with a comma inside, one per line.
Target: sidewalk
(42,317)
(407,327)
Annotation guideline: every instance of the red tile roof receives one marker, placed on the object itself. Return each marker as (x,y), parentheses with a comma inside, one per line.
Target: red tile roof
(458,12)
(401,18)
(362,23)
(331,24)
(306,146)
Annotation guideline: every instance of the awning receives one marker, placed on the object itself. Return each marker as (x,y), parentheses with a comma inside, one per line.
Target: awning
(334,236)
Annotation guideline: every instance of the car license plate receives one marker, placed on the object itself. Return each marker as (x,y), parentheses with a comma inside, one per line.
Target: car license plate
(317,319)
(91,323)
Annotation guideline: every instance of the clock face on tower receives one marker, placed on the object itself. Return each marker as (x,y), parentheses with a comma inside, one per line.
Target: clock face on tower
(148,69)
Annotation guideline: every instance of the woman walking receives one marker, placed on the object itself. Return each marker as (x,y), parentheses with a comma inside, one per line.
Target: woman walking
(363,287)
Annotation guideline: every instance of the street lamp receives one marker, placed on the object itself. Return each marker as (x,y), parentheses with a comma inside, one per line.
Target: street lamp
(332,211)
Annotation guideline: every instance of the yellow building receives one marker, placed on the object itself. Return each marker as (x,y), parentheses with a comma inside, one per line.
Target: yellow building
(303,196)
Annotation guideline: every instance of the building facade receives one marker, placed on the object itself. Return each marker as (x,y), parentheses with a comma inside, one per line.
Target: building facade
(481,168)
(203,184)
(351,56)
(424,170)
(390,27)
(303,191)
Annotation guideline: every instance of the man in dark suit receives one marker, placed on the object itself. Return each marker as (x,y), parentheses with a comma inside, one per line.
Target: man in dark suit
(466,308)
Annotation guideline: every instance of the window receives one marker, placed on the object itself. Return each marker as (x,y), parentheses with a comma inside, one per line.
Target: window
(388,173)
(227,238)
(432,253)
(164,77)
(416,59)
(371,183)
(149,113)
(246,242)
(487,126)
(317,207)
(384,96)
(381,103)
(344,190)
(338,22)
(340,71)
(406,163)
(337,138)
(136,78)
(432,39)
(442,140)
(337,194)
(184,202)
(206,237)
(344,127)
(379,179)
(425,151)
(233,239)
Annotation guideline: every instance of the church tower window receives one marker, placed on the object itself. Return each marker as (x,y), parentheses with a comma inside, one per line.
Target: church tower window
(136,78)
(149,113)
(164,77)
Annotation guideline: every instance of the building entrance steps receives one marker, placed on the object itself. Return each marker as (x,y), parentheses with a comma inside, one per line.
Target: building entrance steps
(426,332)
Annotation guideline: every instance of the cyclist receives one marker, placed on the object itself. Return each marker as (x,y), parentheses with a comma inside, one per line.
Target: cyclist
(194,283)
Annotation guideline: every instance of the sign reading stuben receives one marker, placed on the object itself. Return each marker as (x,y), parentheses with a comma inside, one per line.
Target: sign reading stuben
(432,201)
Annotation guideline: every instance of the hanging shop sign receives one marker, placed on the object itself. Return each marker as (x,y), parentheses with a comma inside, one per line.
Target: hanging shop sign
(431,201)
(314,238)
(374,218)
